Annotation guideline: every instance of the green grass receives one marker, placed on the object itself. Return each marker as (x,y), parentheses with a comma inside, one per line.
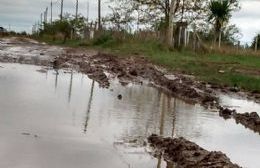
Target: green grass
(239,69)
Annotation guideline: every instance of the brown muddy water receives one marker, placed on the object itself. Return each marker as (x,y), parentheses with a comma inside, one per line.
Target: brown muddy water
(50,120)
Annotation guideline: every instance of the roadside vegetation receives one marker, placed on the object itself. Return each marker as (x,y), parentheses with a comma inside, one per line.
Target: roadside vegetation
(227,67)
(203,44)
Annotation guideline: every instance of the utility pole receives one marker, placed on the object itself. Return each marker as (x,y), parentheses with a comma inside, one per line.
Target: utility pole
(61,10)
(51,11)
(88,10)
(77,9)
(99,14)
(41,22)
(38,26)
(169,37)
(46,15)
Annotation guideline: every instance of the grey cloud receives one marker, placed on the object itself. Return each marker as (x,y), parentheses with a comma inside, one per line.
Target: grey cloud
(22,14)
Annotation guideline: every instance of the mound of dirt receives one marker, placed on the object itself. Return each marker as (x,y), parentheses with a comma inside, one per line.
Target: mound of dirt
(249,120)
(226,113)
(187,154)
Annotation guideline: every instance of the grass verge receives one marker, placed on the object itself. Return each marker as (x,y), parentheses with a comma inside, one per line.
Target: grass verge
(226,69)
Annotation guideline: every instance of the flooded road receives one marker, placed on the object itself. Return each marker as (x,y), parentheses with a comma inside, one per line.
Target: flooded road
(241,105)
(65,120)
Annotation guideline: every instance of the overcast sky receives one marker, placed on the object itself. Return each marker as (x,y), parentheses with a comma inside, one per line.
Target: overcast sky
(22,14)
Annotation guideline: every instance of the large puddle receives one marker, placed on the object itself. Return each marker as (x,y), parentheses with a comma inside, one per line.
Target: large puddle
(65,120)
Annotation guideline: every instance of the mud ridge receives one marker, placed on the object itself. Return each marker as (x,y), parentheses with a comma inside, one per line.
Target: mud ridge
(249,120)
(187,154)
(135,70)
(102,67)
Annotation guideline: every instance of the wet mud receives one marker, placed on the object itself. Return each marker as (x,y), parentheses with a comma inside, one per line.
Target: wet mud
(123,116)
(137,70)
(249,120)
(102,68)
(27,51)
(187,154)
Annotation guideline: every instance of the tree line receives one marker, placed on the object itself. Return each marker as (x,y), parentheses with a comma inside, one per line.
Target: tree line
(169,20)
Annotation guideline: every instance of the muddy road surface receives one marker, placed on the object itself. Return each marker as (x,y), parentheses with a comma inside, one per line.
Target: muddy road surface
(86,108)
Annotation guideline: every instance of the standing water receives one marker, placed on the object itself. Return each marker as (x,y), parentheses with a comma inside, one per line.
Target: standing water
(64,119)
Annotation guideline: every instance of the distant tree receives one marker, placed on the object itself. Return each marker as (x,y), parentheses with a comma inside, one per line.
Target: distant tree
(59,26)
(256,42)
(231,35)
(161,14)
(65,26)
(23,33)
(220,14)
(122,16)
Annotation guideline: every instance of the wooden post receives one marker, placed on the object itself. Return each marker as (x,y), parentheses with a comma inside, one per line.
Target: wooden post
(180,34)
(238,45)
(188,37)
(194,41)
(185,37)
(256,43)
(219,40)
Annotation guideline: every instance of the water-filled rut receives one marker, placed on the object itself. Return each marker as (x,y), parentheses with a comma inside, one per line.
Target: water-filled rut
(65,119)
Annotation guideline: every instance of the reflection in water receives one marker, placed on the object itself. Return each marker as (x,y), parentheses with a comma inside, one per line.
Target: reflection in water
(173,116)
(162,114)
(46,75)
(115,130)
(70,87)
(241,105)
(82,79)
(56,78)
(165,103)
(159,161)
(161,128)
(89,106)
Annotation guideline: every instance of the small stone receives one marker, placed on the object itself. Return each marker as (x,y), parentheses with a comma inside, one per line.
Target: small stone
(133,73)
(26,133)
(120,97)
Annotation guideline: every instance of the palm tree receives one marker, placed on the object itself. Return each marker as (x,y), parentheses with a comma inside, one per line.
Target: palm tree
(220,13)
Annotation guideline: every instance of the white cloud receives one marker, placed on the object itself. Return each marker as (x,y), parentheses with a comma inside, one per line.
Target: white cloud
(248,19)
